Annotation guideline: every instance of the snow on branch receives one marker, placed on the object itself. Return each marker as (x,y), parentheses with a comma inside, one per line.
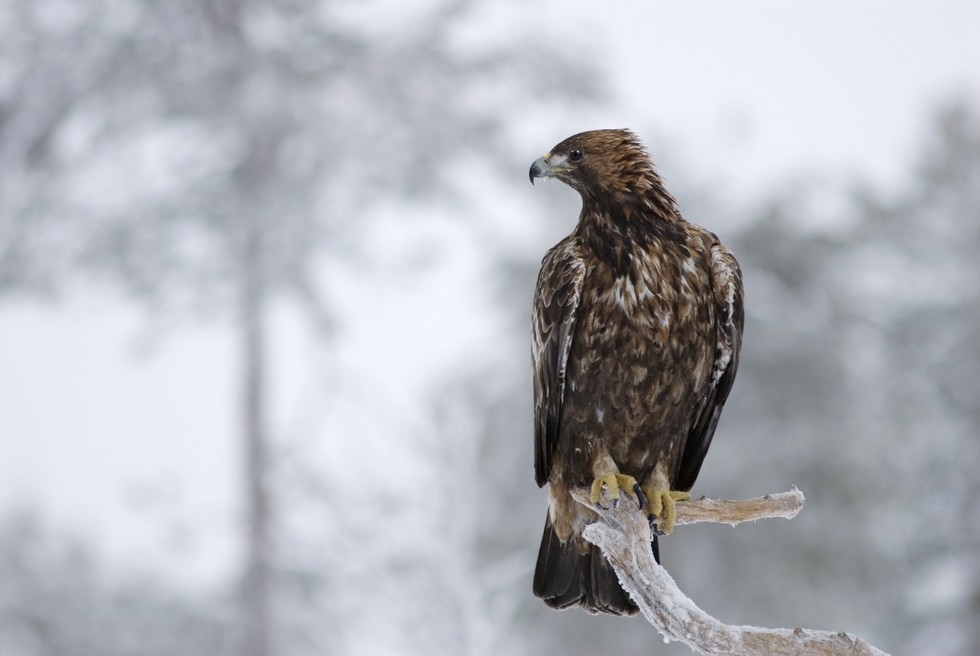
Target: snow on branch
(623,535)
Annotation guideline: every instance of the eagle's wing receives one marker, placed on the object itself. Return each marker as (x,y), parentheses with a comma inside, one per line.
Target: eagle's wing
(556,301)
(726,286)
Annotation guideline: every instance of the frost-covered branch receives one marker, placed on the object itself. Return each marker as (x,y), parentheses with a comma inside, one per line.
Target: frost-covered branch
(783,504)
(623,534)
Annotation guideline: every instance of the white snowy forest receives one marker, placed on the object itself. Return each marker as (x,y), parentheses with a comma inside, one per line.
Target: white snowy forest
(265,282)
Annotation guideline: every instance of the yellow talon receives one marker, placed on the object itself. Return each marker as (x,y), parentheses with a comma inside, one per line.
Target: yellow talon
(613,482)
(661,502)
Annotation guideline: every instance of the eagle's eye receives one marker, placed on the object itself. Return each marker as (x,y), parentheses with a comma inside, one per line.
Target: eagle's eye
(575,155)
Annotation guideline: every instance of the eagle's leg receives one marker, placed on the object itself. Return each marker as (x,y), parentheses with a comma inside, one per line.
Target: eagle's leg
(607,475)
(661,506)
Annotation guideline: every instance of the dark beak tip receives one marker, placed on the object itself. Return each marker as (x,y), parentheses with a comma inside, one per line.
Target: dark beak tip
(530,174)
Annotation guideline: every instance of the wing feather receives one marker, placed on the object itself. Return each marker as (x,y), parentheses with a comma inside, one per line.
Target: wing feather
(726,286)
(556,301)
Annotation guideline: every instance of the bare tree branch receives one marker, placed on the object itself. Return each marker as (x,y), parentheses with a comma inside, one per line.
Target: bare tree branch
(783,504)
(623,534)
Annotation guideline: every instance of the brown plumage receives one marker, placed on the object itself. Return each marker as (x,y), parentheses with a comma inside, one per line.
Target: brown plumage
(637,326)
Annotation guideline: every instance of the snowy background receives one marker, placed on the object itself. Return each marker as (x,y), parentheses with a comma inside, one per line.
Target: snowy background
(327,203)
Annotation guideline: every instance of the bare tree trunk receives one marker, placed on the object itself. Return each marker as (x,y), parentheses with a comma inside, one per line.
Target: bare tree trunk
(255,593)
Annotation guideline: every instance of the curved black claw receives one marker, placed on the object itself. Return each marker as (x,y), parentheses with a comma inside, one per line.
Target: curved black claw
(641,499)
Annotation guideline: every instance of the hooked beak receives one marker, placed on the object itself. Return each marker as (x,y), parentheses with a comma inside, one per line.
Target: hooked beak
(547,166)
(539,169)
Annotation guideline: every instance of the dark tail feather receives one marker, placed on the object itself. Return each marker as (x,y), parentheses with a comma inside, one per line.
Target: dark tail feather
(565,578)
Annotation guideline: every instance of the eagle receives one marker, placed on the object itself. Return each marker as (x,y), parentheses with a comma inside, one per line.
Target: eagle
(636,331)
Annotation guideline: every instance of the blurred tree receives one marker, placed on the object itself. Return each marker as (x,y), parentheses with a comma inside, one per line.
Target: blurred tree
(209,155)
(918,302)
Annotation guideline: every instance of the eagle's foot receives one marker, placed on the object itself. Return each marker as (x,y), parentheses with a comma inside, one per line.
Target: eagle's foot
(613,482)
(661,507)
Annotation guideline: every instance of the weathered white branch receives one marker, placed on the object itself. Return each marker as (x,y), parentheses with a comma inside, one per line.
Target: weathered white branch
(623,534)
(783,504)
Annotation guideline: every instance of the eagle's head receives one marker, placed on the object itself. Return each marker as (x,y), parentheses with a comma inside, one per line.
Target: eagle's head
(600,163)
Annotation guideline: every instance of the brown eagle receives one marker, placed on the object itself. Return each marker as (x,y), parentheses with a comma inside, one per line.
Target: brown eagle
(637,326)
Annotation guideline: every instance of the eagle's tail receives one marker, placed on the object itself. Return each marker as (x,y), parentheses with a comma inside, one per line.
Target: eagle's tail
(566,577)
